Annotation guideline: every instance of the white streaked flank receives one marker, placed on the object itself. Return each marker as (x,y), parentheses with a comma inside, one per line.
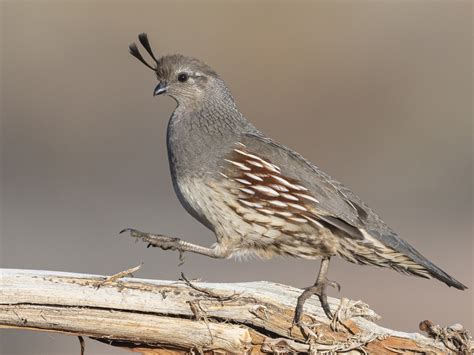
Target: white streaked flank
(289,197)
(298,207)
(267,164)
(266,211)
(239,165)
(247,191)
(284,213)
(253,176)
(250,204)
(307,197)
(278,203)
(288,184)
(266,190)
(298,219)
(255,163)
(243,181)
(315,222)
(279,188)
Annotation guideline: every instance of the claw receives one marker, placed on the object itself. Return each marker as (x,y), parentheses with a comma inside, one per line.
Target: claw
(134,232)
(334,284)
(130,230)
(324,303)
(318,289)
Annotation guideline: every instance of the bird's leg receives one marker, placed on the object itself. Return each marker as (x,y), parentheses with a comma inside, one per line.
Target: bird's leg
(319,289)
(171,243)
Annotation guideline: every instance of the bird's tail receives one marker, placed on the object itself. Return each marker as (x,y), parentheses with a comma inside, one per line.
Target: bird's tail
(396,254)
(416,264)
(428,268)
(442,276)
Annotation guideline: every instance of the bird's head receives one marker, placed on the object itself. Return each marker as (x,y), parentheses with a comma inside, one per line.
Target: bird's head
(188,80)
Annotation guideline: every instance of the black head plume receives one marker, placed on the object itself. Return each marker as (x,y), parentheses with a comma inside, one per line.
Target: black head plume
(143,38)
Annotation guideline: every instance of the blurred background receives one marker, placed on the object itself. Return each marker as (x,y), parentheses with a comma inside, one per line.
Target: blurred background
(378,94)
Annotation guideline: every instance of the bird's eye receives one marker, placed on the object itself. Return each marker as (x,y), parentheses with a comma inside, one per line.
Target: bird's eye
(182,77)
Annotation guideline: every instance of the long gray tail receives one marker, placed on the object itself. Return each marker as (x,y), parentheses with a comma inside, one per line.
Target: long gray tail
(428,269)
(439,274)
(392,251)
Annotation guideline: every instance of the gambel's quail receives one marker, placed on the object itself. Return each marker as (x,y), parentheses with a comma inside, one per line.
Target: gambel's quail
(259,197)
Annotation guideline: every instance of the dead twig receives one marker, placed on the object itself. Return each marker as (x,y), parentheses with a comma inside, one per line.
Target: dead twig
(208,292)
(113,279)
(83,344)
(454,337)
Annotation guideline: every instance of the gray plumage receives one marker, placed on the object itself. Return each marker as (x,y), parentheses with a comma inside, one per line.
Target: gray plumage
(259,197)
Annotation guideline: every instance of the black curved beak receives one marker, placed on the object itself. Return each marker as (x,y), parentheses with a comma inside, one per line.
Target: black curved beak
(160,88)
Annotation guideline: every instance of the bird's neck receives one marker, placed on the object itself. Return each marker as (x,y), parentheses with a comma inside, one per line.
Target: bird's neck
(198,136)
(214,114)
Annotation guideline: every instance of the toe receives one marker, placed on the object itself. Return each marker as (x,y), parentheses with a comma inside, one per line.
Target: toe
(130,230)
(334,284)
(133,232)
(324,303)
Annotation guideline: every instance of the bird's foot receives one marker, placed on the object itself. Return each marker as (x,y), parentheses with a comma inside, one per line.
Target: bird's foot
(318,289)
(171,243)
(155,240)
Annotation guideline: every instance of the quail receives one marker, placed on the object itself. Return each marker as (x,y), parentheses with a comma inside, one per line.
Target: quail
(259,197)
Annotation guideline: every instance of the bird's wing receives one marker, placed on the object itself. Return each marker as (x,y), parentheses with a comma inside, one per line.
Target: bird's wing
(334,204)
(266,187)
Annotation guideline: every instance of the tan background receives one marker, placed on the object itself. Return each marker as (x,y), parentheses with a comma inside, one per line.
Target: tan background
(376,93)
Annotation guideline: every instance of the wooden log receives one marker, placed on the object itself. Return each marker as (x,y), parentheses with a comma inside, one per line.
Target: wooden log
(173,317)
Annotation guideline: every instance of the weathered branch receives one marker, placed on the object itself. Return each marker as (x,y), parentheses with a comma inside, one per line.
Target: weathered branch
(179,316)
